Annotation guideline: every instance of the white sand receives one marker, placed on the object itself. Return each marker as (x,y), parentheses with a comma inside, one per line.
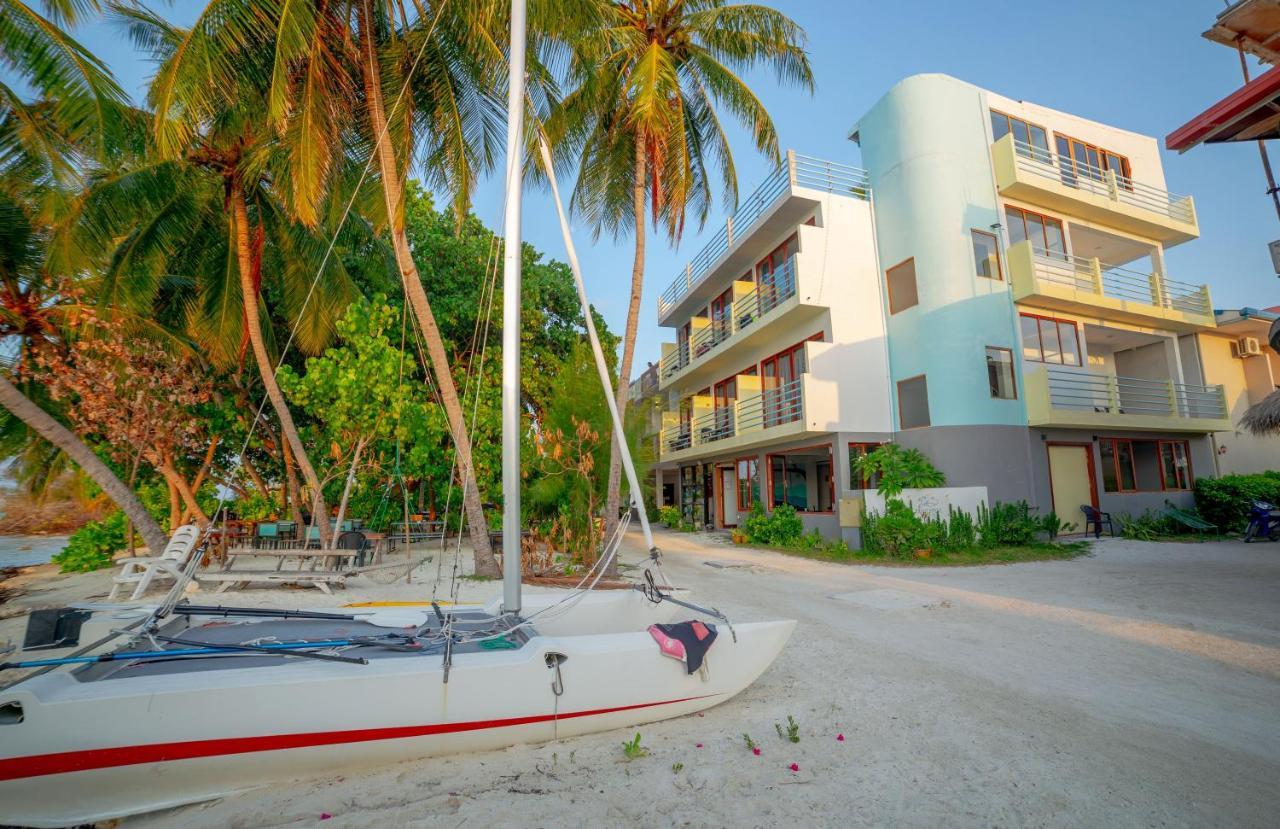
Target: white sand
(990,696)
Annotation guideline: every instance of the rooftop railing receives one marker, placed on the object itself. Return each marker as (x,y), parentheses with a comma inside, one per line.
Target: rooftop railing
(797,171)
(771,292)
(1042,162)
(1090,275)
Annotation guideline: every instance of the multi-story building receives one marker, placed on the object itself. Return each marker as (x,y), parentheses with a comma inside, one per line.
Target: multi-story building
(991,291)
(779,362)
(1037,344)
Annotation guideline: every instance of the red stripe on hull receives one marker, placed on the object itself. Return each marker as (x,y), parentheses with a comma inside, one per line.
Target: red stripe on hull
(40,765)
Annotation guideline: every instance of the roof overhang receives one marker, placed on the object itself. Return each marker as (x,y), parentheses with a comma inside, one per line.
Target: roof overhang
(1250,113)
(1253,24)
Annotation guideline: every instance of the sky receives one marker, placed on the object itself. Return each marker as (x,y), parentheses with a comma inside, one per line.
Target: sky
(1136,64)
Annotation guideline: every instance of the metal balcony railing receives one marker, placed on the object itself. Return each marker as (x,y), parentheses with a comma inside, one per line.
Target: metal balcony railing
(770,408)
(1107,393)
(1117,282)
(769,294)
(797,171)
(1039,161)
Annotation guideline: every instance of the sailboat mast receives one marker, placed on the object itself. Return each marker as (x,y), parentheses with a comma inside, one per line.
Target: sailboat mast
(511,318)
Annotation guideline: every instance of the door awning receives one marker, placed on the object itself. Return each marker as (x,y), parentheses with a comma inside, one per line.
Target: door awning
(1250,113)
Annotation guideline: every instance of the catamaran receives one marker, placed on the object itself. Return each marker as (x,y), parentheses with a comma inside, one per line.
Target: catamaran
(198,702)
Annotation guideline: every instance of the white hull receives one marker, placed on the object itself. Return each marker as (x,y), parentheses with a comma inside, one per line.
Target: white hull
(88,751)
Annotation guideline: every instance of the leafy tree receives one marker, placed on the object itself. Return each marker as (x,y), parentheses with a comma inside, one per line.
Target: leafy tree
(642,123)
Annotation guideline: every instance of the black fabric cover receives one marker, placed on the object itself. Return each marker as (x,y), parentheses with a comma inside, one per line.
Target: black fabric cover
(695,649)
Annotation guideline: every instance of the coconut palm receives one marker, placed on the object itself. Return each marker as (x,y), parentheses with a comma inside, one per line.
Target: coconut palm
(413,88)
(205,202)
(643,123)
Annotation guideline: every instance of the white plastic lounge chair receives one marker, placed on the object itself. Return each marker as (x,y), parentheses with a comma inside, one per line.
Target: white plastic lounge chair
(142,571)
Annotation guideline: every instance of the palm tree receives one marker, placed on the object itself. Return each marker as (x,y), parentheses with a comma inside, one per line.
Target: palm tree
(218,131)
(44,145)
(333,61)
(642,123)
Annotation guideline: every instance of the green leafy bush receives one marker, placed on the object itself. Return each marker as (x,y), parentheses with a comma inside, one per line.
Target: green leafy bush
(898,469)
(1225,501)
(900,533)
(1007,525)
(92,546)
(671,517)
(780,528)
(1149,526)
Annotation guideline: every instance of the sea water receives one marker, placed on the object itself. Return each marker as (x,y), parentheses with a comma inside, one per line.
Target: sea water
(25,550)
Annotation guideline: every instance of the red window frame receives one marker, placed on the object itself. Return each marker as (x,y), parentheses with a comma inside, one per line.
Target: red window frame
(1040,340)
(1183,485)
(1115,461)
(1021,213)
(753,466)
(862,448)
(831,476)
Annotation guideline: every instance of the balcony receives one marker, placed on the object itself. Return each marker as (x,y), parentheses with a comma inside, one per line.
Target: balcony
(707,354)
(785,199)
(1077,398)
(1087,286)
(1039,176)
(765,416)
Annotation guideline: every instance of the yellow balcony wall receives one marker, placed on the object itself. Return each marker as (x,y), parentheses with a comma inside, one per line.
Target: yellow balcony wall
(1036,175)
(1076,398)
(1087,286)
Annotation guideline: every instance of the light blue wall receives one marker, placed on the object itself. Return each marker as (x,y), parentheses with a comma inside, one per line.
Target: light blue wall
(926,144)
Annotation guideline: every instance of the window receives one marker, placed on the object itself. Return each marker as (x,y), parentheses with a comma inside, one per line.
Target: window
(1175,464)
(1079,160)
(781,392)
(1045,232)
(748,483)
(901,282)
(1031,139)
(725,395)
(775,275)
(913,403)
(802,479)
(721,311)
(1118,474)
(860,450)
(986,254)
(1049,340)
(1000,373)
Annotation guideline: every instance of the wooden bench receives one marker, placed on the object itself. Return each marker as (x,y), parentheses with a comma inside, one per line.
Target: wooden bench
(325,580)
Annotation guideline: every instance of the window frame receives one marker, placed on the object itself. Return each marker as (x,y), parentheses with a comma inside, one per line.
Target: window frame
(866,448)
(995,243)
(888,285)
(928,414)
(1124,176)
(1115,462)
(753,462)
(1186,451)
(1013,373)
(1045,221)
(1059,322)
(831,476)
(1028,124)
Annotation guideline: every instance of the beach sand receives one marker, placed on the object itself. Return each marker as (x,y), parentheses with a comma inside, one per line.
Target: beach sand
(987,696)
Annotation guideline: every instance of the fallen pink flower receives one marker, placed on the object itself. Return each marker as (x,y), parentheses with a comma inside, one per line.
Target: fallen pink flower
(325,815)
(839,738)
(755,751)
(794,767)
(697,745)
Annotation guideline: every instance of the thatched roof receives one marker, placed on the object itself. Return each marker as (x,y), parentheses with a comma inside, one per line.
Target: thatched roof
(1264,418)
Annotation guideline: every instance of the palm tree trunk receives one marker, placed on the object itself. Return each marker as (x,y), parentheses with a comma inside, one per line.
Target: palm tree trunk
(478,527)
(249,294)
(346,488)
(12,398)
(293,501)
(614,499)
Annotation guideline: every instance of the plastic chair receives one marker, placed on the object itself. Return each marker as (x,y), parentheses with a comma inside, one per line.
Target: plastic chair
(1093,517)
(268,534)
(169,564)
(354,540)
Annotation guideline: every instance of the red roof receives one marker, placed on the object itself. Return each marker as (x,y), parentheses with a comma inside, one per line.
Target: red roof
(1248,114)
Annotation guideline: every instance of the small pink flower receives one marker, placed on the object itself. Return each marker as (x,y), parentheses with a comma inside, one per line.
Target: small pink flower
(756,751)
(697,745)
(325,815)
(839,738)
(794,767)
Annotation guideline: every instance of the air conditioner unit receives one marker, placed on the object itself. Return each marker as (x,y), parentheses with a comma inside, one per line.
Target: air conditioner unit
(1246,347)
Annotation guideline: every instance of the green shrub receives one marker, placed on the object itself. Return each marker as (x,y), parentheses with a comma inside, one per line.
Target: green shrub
(92,546)
(898,469)
(779,528)
(1149,526)
(1225,501)
(671,517)
(1007,525)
